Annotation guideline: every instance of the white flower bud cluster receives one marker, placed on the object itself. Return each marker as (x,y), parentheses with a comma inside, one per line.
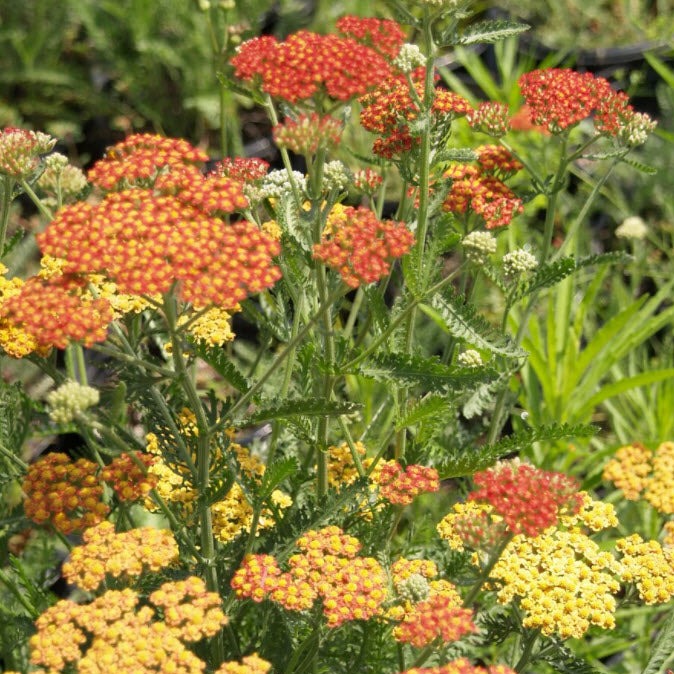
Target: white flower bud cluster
(59,173)
(632,228)
(335,176)
(518,262)
(55,162)
(637,129)
(69,399)
(478,246)
(277,183)
(469,358)
(415,588)
(409,57)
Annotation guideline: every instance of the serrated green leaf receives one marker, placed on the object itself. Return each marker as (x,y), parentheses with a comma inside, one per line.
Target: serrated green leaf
(482,398)
(471,461)
(275,474)
(217,358)
(236,87)
(430,373)
(292,223)
(662,648)
(303,408)
(376,305)
(15,408)
(546,275)
(462,155)
(491,30)
(461,320)
(400,13)
(12,243)
(640,166)
(428,407)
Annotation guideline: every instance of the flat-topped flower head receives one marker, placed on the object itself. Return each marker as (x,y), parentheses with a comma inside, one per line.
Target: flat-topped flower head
(460,666)
(66,494)
(128,475)
(20,151)
(57,311)
(138,160)
(361,247)
(250,664)
(648,566)
(401,486)
(306,134)
(146,243)
(529,499)
(559,98)
(242,169)
(307,64)
(490,117)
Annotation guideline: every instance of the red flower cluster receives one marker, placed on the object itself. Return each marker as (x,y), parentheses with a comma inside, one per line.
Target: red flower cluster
(529,499)
(401,487)
(306,134)
(138,159)
(307,64)
(475,189)
(242,169)
(436,617)
(67,495)
(20,151)
(130,481)
(145,243)
(57,311)
(350,587)
(389,109)
(359,246)
(558,98)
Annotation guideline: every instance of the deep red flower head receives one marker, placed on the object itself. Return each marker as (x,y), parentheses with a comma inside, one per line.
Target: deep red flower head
(529,499)
(242,169)
(383,35)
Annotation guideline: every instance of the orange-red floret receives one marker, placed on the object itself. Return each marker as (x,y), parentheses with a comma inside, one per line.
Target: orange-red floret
(529,499)
(383,35)
(243,169)
(401,486)
(460,666)
(361,247)
(67,495)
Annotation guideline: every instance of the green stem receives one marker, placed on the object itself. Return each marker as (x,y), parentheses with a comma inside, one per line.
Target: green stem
(352,447)
(203,463)
(484,575)
(529,643)
(36,200)
(13,458)
(7,190)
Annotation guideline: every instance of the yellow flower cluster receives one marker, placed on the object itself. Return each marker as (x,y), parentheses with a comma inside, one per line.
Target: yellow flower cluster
(212,327)
(124,638)
(638,471)
(233,514)
(649,567)
(472,525)
(251,664)
(121,555)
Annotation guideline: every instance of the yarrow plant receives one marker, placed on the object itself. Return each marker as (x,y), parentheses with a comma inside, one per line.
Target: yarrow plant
(282,399)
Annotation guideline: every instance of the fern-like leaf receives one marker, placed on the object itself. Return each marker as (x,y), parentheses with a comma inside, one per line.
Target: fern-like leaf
(491,30)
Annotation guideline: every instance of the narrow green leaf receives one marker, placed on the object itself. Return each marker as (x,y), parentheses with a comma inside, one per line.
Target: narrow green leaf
(640,166)
(301,407)
(461,155)
(662,648)
(491,30)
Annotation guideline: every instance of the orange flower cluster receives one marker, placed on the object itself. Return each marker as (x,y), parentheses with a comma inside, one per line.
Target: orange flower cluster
(559,98)
(307,64)
(475,188)
(350,587)
(124,638)
(390,108)
(130,480)
(495,160)
(127,554)
(67,495)
(401,486)
(56,311)
(640,472)
(530,500)
(306,134)
(138,159)
(437,617)
(145,243)
(359,246)
(460,666)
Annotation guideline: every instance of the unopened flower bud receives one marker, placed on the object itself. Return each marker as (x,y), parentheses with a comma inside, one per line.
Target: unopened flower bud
(20,151)
(632,228)
(277,183)
(636,129)
(415,588)
(469,358)
(335,176)
(519,262)
(479,246)
(490,117)
(409,57)
(69,399)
